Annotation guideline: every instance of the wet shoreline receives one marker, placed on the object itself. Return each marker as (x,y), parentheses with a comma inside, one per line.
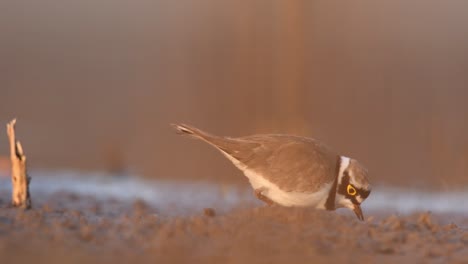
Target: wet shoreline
(191,196)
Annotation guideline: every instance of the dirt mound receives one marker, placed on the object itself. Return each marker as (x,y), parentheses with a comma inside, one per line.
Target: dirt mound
(76,229)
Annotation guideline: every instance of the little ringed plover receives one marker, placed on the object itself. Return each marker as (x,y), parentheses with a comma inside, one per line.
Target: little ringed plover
(293,171)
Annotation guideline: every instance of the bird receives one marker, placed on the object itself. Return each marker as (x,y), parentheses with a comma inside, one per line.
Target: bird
(293,171)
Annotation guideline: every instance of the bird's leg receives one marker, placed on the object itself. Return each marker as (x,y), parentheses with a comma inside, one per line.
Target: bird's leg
(260,196)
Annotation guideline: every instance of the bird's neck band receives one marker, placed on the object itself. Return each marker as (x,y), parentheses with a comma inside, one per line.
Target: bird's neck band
(342,163)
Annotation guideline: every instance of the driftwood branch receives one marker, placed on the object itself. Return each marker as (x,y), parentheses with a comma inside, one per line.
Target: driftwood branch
(19,178)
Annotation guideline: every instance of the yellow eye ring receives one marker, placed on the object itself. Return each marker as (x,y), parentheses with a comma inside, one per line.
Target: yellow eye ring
(351,190)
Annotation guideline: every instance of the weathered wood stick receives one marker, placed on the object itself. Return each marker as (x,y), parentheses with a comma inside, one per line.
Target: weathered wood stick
(19,178)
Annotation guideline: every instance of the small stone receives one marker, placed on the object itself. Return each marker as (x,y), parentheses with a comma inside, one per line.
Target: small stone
(210,212)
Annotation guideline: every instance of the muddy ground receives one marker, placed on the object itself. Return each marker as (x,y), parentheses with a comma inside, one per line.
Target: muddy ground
(68,228)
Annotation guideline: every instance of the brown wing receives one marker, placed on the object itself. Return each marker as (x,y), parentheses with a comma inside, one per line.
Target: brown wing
(294,163)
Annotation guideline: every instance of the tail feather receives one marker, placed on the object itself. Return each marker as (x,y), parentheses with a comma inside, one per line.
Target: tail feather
(182,129)
(234,149)
(225,144)
(192,131)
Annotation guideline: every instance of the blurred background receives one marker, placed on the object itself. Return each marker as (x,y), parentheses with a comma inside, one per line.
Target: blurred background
(95,83)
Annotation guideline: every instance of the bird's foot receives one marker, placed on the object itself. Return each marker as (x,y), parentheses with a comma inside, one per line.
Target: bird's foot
(260,196)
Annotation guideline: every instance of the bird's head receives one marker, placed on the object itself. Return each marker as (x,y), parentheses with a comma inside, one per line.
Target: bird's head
(353,186)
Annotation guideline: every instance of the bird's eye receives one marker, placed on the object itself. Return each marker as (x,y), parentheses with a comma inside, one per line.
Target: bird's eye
(351,190)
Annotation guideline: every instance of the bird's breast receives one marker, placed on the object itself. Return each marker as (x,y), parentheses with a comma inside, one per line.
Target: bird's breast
(288,198)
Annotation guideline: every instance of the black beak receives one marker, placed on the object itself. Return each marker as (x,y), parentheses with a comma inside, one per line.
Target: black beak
(358,212)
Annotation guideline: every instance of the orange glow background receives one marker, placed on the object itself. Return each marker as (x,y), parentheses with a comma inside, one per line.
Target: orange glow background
(94,84)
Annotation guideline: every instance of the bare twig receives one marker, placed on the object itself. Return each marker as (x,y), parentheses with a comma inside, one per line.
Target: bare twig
(19,177)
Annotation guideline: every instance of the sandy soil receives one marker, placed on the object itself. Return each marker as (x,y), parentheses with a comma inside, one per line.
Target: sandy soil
(67,227)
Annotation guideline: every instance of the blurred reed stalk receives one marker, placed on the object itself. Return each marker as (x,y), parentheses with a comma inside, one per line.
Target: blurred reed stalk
(20,179)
